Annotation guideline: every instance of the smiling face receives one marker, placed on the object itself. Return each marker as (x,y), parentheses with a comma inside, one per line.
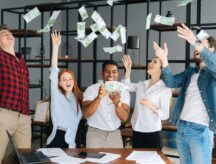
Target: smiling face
(6,39)
(110,73)
(154,67)
(66,82)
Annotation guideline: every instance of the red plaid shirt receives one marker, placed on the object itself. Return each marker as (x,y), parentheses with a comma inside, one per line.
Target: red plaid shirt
(14,83)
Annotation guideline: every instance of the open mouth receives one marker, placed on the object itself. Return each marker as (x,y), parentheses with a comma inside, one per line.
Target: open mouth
(68,86)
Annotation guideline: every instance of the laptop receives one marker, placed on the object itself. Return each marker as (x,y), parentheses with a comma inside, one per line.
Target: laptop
(28,157)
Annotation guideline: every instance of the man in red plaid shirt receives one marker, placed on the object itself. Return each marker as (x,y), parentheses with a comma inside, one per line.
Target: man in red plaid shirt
(14,94)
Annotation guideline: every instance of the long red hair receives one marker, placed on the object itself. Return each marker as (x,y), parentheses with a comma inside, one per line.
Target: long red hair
(78,94)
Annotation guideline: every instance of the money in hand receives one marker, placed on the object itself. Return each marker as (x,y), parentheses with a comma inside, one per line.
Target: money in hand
(115,86)
(164,20)
(31,15)
(202,35)
(114,49)
(83,13)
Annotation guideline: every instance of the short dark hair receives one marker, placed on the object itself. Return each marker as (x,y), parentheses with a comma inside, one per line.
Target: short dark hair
(4,27)
(212,42)
(107,62)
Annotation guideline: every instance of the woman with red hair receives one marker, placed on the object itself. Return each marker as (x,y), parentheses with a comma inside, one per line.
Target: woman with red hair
(66,99)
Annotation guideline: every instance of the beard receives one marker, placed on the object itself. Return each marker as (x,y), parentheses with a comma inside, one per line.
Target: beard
(197,57)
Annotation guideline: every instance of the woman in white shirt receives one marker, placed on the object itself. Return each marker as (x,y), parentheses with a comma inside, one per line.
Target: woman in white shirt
(66,99)
(151,105)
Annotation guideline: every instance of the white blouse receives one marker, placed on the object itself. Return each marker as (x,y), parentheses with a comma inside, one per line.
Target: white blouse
(143,119)
(63,111)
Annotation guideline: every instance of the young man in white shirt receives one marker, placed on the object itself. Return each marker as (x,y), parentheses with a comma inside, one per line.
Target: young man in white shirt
(105,111)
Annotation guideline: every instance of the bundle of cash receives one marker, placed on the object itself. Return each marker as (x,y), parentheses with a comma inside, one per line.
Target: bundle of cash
(87,40)
(164,20)
(183,2)
(97,19)
(31,15)
(81,30)
(115,86)
(83,13)
(114,49)
(202,35)
(148,21)
(50,22)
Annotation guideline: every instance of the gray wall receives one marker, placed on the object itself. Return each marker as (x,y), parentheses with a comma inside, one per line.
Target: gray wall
(136,26)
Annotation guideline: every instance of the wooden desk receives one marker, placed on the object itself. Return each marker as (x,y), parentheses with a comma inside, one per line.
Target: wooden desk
(123,152)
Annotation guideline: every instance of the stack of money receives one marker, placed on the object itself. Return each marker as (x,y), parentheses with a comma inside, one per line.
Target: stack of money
(115,86)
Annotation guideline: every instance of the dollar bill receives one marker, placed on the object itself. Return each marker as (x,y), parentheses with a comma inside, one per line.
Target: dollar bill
(94,27)
(31,15)
(105,32)
(164,20)
(148,21)
(116,34)
(183,2)
(50,22)
(122,31)
(202,35)
(87,40)
(83,13)
(81,29)
(98,19)
(115,86)
(114,49)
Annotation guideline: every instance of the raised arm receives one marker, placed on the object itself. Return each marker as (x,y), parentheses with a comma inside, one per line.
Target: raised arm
(207,53)
(127,64)
(171,81)
(56,40)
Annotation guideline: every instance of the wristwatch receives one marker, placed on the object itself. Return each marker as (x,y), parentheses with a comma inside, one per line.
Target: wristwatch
(196,44)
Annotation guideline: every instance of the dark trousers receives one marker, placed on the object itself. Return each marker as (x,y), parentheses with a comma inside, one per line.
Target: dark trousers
(58,140)
(147,140)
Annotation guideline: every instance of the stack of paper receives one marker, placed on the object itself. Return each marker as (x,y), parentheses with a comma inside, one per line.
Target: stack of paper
(145,157)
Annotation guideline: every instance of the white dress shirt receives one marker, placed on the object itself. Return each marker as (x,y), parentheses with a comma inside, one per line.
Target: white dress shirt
(143,119)
(63,111)
(105,117)
(194,109)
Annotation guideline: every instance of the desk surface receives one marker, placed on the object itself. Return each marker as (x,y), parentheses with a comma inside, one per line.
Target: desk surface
(123,152)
